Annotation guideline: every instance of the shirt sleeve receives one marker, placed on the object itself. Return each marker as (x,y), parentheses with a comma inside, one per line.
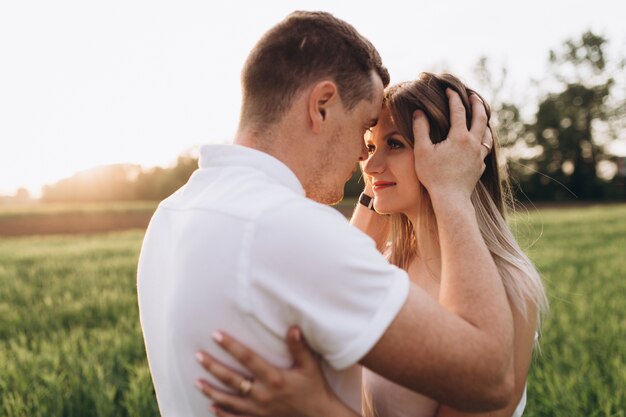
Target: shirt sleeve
(308,266)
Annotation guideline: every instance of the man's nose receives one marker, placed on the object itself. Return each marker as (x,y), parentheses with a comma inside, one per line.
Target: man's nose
(364,153)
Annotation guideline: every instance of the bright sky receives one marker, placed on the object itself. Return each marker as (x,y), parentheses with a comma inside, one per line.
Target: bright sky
(86,83)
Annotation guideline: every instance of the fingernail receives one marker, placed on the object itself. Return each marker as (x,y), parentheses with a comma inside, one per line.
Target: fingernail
(297,335)
(198,384)
(416,114)
(218,337)
(200,357)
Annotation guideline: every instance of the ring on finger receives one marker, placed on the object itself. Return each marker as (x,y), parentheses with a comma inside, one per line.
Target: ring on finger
(245,387)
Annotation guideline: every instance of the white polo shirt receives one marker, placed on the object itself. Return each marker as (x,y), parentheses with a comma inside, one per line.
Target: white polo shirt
(240,248)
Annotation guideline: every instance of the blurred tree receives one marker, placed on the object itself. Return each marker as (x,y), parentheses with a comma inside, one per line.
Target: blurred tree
(22,196)
(158,183)
(505,114)
(566,120)
(506,120)
(121,182)
(104,183)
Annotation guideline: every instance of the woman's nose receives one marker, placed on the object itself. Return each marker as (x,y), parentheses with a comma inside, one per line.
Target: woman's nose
(374,164)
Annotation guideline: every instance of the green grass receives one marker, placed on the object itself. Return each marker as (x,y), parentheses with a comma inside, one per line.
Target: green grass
(581,254)
(71,345)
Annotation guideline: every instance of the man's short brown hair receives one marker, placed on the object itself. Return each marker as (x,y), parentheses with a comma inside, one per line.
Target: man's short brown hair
(302,49)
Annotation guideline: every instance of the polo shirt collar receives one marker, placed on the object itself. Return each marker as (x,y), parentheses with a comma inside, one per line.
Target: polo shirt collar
(237,155)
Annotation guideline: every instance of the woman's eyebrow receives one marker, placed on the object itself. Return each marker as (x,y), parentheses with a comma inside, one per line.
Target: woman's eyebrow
(392,133)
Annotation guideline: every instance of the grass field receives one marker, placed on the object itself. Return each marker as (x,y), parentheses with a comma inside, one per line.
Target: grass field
(70,342)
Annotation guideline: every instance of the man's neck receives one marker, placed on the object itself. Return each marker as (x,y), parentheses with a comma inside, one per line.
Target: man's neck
(266,142)
(276,144)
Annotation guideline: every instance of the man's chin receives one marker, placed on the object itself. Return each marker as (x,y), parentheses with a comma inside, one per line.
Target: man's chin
(329,198)
(334,200)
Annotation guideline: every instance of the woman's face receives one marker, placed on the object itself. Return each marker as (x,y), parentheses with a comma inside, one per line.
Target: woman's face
(391,169)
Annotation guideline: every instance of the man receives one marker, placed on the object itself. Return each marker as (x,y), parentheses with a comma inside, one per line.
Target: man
(246,245)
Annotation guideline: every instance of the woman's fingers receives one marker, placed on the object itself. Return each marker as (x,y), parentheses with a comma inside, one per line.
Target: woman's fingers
(457,111)
(221,372)
(421,130)
(487,144)
(479,118)
(302,355)
(458,123)
(224,400)
(245,356)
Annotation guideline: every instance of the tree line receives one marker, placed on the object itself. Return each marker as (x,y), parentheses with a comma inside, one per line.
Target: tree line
(560,154)
(121,182)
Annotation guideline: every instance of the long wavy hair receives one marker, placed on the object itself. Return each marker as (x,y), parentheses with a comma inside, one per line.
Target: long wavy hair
(491,197)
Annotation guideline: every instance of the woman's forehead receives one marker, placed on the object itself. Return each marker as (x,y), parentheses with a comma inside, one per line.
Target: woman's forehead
(385,122)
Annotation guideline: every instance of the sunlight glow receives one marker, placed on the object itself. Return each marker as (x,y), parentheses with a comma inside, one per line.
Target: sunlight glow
(84,84)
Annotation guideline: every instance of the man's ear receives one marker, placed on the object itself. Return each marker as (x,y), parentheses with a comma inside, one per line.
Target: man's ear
(324,95)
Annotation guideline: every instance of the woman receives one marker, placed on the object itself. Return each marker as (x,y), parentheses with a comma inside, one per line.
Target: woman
(404,227)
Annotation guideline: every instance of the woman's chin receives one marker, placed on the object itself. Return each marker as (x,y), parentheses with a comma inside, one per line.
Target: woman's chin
(383,209)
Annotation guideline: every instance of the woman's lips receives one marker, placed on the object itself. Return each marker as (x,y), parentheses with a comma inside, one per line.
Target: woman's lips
(379,185)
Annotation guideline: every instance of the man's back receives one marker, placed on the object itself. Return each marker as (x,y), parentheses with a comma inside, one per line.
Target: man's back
(240,248)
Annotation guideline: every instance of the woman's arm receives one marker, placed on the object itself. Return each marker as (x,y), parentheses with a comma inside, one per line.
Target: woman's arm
(371,223)
(300,391)
(524,338)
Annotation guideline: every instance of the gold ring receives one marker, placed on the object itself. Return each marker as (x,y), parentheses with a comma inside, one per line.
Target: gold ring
(486,146)
(245,387)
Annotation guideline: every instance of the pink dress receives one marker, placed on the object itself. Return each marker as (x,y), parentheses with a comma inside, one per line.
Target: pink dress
(383,398)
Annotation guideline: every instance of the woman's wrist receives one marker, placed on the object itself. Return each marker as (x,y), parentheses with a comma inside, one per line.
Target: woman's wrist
(367,197)
(442,200)
(366,201)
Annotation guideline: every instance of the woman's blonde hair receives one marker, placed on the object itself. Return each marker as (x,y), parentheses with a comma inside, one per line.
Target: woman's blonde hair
(490,198)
